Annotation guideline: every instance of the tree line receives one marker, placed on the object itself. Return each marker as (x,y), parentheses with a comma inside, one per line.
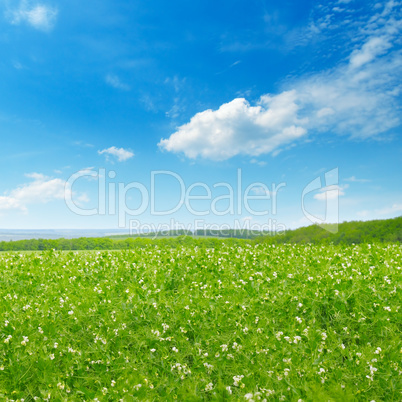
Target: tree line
(379,231)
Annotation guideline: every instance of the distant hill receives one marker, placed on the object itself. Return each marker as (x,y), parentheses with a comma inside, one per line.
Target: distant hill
(384,231)
(380,231)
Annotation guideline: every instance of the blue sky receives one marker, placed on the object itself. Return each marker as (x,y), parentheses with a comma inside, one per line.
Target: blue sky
(279,94)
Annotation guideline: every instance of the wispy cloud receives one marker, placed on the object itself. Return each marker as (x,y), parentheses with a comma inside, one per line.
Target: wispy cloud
(388,211)
(395,208)
(120,153)
(41,189)
(330,193)
(82,144)
(358,98)
(178,85)
(257,162)
(115,82)
(356,180)
(369,51)
(38,15)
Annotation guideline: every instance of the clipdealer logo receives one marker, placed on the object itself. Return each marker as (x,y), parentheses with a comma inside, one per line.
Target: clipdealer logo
(113,199)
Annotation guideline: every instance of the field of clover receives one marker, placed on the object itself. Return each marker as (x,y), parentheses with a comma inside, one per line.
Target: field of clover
(284,323)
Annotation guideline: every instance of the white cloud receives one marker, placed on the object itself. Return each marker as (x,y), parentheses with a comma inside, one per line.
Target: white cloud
(358,99)
(115,82)
(120,153)
(370,50)
(389,211)
(83,198)
(89,173)
(39,16)
(354,179)
(325,111)
(41,190)
(330,193)
(395,208)
(257,162)
(239,128)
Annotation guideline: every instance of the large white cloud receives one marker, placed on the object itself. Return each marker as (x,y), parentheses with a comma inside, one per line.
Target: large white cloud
(237,128)
(359,98)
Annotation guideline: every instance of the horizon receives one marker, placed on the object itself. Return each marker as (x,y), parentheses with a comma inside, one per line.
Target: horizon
(30,234)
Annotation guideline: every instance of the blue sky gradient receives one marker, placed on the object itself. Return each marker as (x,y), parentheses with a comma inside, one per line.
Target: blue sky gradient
(283,91)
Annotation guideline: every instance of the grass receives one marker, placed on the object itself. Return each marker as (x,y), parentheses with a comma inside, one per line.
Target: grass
(292,322)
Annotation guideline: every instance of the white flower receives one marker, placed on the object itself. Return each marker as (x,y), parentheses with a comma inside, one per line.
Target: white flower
(7,340)
(299,320)
(175,349)
(51,357)
(224,348)
(113,383)
(25,340)
(209,367)
(153,350)
(229,390)
(237,379)
(209,387)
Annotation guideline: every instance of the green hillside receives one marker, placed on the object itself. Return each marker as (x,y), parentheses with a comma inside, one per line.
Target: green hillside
(384,231)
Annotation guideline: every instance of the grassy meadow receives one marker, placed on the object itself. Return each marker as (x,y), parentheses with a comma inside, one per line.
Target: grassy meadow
(249,323)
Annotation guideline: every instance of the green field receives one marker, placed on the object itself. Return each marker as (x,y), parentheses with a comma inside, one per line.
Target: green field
(256,322)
